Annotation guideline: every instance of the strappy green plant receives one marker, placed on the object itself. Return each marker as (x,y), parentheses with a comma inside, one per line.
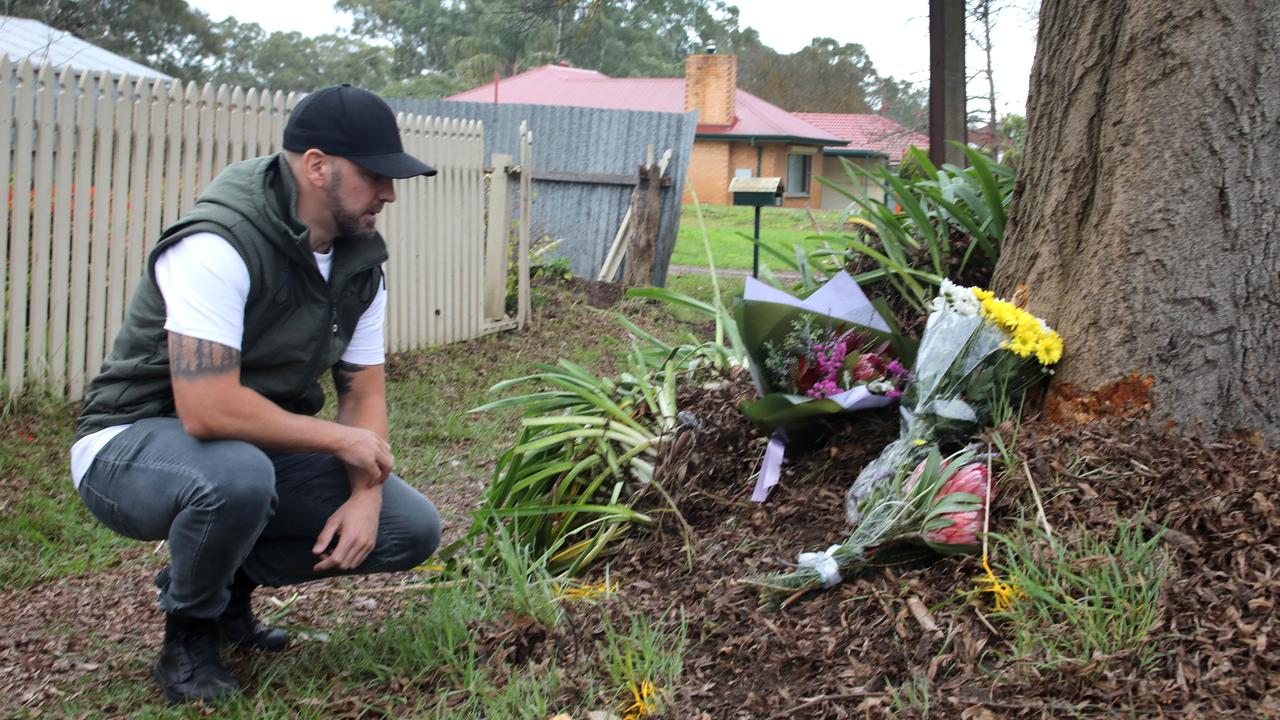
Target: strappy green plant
(929,228)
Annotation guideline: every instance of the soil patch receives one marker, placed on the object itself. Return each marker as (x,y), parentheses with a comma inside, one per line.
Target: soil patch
(847,652)
(598,293)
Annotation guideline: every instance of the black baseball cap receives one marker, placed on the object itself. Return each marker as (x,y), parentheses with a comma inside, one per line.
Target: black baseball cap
(354,124)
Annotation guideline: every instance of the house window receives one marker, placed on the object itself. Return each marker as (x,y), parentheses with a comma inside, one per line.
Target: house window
(799,168)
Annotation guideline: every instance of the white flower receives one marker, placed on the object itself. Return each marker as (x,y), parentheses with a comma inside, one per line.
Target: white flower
(879,387)
(955,298)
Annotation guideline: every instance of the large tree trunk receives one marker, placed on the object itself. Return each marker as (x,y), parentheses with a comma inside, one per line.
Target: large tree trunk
(1147,215)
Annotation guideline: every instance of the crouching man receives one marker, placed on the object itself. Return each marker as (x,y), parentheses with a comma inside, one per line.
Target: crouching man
(200,429)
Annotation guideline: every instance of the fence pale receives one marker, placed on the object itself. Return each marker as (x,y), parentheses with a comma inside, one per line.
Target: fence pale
(64,188)
(20,229)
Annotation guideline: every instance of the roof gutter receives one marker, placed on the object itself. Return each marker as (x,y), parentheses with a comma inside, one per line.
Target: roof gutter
(753,139)
(850,152)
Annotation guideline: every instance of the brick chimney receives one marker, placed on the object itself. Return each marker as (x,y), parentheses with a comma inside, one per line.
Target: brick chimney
(711,87)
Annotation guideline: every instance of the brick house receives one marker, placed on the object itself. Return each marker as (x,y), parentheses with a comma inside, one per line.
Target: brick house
(870,141)
(738,134)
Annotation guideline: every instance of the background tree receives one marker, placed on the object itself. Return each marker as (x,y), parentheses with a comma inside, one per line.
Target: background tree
(246,55)
(496,37)
(426,86)
(645,38)
(980,23)
(907,103)
(1013,128)
(164,34)
(431,48)
(836,78)
(417,31)
(1146,221)
(469,40)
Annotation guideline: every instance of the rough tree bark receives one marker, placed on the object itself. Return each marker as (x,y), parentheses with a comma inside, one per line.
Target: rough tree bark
(1147,214)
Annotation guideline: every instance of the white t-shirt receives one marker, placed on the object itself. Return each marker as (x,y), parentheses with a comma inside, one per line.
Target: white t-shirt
(205,284)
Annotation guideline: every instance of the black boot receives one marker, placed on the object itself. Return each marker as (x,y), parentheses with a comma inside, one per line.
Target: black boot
(189,668)
(238,624)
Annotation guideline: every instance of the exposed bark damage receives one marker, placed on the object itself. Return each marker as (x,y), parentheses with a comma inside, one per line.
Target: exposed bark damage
(1147,218)
(1127,397)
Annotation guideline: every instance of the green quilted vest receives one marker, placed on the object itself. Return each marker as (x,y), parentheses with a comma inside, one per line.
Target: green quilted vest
(296,325)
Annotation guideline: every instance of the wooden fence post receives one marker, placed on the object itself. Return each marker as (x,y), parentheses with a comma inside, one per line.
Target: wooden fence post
(137,187)
(643,237)
(497,241)
(63,184)
(20,231)
(524,303)
(41,231)
(78,325)
(100,237)
(118,192)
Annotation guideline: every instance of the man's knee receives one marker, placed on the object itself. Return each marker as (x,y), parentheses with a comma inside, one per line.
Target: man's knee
(414,534)
(423,538)
(238,477)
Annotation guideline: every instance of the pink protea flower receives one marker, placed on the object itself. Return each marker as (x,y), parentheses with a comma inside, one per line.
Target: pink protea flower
(961,534)
(909,485)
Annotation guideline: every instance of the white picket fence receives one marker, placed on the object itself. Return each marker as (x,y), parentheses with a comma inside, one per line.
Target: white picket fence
(100,164)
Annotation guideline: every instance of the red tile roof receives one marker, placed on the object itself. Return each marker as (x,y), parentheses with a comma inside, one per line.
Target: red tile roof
(558,85)
(868,132)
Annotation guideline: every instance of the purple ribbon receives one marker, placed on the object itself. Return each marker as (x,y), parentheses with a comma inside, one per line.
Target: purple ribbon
(771,467)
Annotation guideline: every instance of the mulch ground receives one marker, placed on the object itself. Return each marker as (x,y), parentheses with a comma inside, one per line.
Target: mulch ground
(840,653)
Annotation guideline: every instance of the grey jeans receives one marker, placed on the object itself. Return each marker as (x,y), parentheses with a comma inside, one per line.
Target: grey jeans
(226,505)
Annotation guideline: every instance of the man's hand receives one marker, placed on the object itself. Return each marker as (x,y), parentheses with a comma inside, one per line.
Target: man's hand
(356,526)
(367,457)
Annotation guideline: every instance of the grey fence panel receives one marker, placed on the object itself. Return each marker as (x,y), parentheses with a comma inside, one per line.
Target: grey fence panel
(584,216)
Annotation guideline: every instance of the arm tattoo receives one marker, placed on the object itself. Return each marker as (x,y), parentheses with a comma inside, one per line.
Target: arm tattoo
(191,357)
(343,374)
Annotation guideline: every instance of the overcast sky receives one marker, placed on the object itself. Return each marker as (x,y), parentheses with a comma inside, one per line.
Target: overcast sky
(895,34)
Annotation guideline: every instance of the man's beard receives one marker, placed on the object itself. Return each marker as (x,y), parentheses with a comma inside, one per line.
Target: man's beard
(348,224)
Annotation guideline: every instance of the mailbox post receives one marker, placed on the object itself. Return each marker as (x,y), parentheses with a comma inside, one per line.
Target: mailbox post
(757,193)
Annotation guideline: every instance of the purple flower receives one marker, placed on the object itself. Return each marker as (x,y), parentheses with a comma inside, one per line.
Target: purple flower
(894,368)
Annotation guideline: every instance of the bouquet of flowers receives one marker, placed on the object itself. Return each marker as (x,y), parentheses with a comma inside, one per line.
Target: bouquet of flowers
(830,353)
(823,361)
(978,353)
(939,506)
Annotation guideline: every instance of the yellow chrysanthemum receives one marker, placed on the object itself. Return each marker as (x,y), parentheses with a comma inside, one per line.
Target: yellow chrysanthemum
(645,701)
(1003,594)
(1028,335)
(584,591)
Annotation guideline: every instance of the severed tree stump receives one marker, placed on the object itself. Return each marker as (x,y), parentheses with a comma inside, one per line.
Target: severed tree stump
(642,235)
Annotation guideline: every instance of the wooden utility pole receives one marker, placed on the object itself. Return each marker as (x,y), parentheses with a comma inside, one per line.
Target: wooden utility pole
(947,112)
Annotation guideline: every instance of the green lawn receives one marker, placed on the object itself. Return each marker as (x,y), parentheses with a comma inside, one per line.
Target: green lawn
(730,230)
